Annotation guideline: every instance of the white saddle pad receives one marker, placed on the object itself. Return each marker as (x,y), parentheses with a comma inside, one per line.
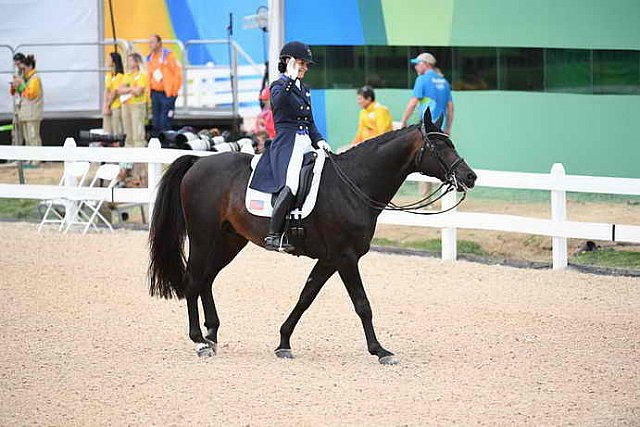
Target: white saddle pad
(259,203)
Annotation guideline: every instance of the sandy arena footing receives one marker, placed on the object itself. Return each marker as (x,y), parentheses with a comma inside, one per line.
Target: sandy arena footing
(84,344)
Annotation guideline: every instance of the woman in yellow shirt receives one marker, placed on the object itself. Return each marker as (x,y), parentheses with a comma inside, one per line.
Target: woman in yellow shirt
(374,119)
(133,95)
(111,109)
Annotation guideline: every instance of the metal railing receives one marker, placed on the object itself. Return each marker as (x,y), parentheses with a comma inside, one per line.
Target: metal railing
(12,52)
(128,46)
(103,43)
(123,44)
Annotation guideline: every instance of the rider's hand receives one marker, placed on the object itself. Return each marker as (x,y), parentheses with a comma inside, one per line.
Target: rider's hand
(323,144)
(292,68)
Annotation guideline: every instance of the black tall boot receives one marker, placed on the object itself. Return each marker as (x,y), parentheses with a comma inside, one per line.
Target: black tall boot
(282,206)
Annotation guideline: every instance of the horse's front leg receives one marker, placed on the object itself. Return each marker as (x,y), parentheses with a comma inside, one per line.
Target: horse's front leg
(350,275)
(317,278)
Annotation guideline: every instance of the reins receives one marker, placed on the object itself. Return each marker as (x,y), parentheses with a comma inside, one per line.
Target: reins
(419,204)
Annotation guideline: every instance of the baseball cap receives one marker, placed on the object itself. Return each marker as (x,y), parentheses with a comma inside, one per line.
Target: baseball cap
(424,57)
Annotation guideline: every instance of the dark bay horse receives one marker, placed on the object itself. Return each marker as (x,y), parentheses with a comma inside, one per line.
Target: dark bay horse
(204,198)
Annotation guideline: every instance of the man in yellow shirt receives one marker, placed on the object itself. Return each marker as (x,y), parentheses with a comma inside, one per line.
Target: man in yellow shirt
(375,118)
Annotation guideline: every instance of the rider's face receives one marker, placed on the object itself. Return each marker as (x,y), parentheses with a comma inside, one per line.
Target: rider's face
(304,67)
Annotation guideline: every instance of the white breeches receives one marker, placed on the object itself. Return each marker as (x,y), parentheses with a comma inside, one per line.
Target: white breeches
(300,148)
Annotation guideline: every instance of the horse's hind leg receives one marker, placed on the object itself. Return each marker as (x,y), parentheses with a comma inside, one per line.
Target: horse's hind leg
(350,275)
(224,252)
(199,274)
(317,278)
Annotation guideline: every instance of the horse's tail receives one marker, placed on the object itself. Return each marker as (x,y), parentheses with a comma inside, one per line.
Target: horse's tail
(167,234)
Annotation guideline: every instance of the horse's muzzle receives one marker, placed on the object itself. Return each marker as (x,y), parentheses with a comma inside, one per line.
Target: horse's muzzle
(464,178)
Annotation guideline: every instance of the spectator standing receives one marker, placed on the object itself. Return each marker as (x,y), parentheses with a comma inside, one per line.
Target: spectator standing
(16,138)
(264,121)
(165,80)
(29,88)
(133,95)
(112,106)
(431,90)
(374,119)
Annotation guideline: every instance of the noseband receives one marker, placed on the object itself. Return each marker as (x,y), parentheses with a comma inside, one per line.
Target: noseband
(449,170)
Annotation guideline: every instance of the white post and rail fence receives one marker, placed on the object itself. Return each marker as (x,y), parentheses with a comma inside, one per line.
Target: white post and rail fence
(557,182)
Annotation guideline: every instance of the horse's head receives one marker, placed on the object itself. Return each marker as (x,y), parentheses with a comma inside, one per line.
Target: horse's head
(437,157)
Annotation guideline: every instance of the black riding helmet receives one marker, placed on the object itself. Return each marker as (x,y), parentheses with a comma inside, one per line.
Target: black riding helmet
(297,50)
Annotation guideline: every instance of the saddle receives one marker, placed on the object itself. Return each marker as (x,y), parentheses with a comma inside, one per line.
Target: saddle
(261,204)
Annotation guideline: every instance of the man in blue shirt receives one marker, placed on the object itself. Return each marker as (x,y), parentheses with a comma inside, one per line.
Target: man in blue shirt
(431,90)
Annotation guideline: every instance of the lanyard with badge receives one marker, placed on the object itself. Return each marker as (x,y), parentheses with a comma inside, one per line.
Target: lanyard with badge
(157,73)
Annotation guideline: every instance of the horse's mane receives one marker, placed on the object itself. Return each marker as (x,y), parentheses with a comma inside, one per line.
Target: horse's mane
(377,141)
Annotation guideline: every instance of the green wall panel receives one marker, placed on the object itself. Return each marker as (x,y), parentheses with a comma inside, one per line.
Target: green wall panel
(592,24)
(519,131)
(423,22)
(587,24)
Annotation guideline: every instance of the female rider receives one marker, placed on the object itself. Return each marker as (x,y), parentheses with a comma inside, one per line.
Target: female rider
(278,170)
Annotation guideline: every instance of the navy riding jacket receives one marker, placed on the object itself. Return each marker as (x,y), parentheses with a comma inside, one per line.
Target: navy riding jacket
(292,115)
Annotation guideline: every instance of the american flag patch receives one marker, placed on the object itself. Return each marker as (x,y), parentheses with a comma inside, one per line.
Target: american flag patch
(256,204)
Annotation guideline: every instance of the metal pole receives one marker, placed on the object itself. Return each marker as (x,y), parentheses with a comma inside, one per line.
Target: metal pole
(233,72)
(234,88)
(113,25)
(101,51)
(276,35)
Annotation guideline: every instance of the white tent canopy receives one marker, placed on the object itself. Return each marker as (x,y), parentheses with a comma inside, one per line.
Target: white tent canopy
(26,23)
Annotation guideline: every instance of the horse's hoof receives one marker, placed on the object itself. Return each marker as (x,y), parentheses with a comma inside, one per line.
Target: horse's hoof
(204,350)
(284,353)
(213,345)
(389,360)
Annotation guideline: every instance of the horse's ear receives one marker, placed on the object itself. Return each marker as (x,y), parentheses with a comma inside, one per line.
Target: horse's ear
(426,119)
(438,122)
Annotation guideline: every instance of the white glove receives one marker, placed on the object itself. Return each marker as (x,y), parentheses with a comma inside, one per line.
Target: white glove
(292,68)
(323,145)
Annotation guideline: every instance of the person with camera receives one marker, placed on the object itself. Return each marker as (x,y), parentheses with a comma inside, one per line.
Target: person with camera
(112,107)
(28,87)
(278,169)
(16,138)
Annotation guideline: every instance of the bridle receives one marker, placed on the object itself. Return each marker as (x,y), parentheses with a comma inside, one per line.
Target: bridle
(450,180)
(449,170)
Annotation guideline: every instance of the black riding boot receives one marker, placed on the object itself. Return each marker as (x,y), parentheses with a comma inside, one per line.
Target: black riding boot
(274,240)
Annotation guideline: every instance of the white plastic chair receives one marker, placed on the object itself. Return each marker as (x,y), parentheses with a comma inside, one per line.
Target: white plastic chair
(76,170)
(88,211)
